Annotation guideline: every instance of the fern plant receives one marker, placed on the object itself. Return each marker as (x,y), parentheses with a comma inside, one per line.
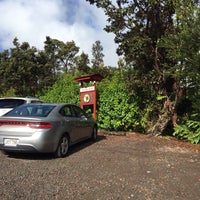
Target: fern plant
(190,131)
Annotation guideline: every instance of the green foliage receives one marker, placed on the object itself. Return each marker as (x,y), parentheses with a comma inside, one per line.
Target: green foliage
(97,54)
(9,93)
(116,109)
(160,46)
(160,97)
(82,63)
(17,68)
(34,70)
(184,47)
(60,54)
(189,130)
(64,90)
(159,40)
(189,125)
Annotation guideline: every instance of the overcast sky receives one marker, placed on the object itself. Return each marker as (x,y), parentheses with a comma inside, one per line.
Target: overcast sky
(66,20)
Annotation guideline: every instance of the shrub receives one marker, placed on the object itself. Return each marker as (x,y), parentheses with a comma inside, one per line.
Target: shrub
(64,90)
(190,131)
(190,127)
(117,110)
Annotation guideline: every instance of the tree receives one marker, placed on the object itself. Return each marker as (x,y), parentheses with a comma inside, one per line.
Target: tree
(4,72)
(21,67)
(45,76)
(34,70)
(25,70)
(82,63)
(185,50)
(140,29)
(60,54)
(97,53)
(67,54)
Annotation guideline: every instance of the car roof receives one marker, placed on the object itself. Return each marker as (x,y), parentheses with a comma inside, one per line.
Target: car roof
(22,98)
(47,104)
(55,104)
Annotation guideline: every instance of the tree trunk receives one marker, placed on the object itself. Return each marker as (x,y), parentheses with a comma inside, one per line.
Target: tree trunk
(163,119)
(168,113)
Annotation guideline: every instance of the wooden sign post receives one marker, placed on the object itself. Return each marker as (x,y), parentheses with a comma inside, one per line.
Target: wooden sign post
(88,92)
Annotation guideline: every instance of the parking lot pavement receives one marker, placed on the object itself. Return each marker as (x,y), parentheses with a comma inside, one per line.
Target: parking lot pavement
(115,167)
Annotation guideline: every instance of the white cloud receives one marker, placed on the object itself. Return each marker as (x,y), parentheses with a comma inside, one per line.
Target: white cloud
(65,20)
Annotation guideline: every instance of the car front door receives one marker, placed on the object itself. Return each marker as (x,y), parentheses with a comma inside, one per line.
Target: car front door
(72,123)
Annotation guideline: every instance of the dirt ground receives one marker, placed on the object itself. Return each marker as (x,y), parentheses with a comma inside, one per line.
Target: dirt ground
(134,166)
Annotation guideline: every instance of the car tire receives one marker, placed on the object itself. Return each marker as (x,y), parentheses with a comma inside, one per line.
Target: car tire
(63,147)
(94,134)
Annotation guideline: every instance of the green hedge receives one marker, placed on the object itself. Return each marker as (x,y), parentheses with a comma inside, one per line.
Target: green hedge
(117,110)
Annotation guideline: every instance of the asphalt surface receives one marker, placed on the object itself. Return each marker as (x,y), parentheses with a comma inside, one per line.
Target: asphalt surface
(135,167)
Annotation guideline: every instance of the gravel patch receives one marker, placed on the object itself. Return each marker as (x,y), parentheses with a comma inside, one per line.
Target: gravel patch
(114,167)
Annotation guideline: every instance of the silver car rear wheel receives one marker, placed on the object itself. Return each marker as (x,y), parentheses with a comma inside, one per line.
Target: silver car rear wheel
(63,147)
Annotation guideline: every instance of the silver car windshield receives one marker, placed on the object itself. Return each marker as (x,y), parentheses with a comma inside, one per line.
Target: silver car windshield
(31,110)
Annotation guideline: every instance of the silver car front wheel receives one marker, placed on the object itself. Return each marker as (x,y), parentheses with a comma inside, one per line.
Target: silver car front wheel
(63,147)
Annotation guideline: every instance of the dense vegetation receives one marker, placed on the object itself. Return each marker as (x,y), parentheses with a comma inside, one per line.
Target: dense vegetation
(155,87)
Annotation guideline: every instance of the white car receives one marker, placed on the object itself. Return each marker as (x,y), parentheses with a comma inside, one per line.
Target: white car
(8,103)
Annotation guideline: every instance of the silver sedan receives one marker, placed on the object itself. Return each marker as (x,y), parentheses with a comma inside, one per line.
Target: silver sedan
(45,128)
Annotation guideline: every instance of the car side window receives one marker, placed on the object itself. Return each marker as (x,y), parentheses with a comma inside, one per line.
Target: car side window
(79,112)
(66,111)
(35,101)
